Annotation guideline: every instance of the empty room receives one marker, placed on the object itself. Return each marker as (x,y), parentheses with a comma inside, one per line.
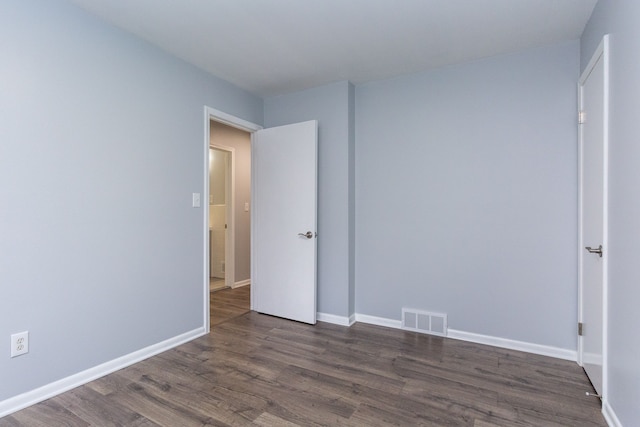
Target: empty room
(436,223)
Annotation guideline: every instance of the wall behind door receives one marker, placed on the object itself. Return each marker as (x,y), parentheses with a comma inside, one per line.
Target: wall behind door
(241,141)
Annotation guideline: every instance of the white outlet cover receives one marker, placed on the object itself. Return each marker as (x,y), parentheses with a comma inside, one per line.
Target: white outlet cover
(19,343)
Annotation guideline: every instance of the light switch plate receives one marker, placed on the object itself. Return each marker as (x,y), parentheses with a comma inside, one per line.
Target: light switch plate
(196,200)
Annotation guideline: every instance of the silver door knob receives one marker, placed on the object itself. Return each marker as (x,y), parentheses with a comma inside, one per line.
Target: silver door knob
(308,235)
(597,250)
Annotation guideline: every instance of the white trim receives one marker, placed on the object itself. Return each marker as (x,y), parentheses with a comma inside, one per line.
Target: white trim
(544,350)
(580,221)
(605,220)
(241,283)
(206,321)
(594,60)
(379,321)
(559,353)
(336,320)
(238,123)
(47,391)
(609,415)
(228,119)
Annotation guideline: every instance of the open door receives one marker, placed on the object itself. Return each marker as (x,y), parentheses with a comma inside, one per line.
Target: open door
(593,217)
(284,246)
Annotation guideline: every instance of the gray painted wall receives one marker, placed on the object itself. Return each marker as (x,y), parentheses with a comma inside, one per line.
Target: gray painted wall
(102,145)
(240,140)
(621,19)
(330,105)
(466,195)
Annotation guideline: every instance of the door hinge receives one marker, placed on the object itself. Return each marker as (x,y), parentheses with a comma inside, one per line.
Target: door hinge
(581,117)
(579,329)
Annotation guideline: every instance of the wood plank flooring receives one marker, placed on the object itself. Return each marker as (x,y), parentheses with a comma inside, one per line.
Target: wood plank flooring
(260,370)
(228,303)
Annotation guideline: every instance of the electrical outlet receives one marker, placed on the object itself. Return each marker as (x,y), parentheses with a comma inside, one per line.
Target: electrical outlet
(19,343)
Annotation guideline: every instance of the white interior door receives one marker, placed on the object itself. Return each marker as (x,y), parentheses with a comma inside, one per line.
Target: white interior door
(284,163)
(593,218)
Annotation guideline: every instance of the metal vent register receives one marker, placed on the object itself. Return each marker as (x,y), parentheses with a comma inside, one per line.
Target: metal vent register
(425,322)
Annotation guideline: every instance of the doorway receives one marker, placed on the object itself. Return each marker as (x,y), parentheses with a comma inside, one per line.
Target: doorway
(229,215)
(294,137)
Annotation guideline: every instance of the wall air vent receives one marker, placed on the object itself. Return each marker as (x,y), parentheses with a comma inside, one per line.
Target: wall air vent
(425,322)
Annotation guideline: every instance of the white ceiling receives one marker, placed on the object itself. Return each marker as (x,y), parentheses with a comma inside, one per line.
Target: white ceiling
(270,47)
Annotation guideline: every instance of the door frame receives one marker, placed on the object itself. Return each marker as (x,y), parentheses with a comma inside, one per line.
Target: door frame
(230,232)
(602,52)
(236,122)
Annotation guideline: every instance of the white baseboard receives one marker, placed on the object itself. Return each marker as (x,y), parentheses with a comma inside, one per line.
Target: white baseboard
(336,320)
(32,397)
(609,415)
(352,319)
(544,350)
(241,283)
(379,321)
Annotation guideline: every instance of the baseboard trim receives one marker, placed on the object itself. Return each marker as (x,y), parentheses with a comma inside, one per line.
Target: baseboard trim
(609,415)
(379,321)
(336,320)
(559,353)
(32,397)
(544,350)
(241,283)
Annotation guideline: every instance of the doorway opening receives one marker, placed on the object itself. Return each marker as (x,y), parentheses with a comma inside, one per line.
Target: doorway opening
(272,175)
(228,218)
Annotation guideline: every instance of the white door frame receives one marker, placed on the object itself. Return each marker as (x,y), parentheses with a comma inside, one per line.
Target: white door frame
(230,233)
(602,52)
(236,122)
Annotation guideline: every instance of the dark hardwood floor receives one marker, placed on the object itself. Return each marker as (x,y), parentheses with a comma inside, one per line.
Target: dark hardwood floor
(227,303)
(254,369)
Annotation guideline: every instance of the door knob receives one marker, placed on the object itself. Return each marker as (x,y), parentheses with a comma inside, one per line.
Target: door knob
(308,235)
(597,250)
